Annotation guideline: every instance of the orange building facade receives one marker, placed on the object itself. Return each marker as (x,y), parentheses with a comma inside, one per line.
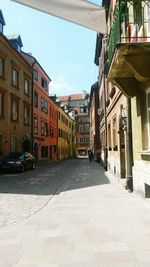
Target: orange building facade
(44,114)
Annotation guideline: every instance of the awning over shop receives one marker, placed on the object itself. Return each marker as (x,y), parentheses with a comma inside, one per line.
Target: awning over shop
(80,12)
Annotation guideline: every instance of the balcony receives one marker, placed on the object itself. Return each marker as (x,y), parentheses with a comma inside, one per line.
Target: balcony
(129,46)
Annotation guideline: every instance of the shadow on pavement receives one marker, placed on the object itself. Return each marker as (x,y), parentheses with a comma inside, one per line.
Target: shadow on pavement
(50,178)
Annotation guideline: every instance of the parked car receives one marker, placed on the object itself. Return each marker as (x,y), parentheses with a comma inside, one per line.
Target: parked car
(18,161)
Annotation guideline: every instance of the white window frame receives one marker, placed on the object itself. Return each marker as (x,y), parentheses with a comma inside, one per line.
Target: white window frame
(14,110)
(15,77)
(26,115)
(26,87)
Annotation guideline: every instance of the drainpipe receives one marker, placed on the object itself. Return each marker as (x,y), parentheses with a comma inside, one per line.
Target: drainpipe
(129,181)
(105,123)
(105,114)
(32,106)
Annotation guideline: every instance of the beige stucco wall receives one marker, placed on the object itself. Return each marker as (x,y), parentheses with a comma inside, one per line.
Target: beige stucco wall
(141,167)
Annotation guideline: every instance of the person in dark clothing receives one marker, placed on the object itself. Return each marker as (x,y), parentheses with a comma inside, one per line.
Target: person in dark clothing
(90,154)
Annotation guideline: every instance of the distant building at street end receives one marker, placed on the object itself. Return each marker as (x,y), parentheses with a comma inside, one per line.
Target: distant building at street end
(94,121)
(77,106)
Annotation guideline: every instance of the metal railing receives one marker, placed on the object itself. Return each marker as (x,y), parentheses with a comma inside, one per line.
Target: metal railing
(130,23)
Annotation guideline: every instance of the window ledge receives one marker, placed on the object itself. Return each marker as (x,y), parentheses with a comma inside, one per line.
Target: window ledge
(144,152)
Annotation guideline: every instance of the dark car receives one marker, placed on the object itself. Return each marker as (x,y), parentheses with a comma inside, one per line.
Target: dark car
(18,161)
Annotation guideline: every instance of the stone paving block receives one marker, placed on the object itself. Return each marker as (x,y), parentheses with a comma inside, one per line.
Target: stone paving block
(115,257)
(143,256)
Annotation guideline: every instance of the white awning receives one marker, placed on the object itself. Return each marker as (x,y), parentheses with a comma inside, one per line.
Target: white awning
(80,12)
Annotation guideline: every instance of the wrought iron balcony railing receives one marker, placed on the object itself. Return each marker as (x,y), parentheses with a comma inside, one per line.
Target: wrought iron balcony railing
(130,23)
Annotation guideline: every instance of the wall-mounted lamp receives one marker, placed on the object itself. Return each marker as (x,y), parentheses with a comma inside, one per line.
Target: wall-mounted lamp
(124,118)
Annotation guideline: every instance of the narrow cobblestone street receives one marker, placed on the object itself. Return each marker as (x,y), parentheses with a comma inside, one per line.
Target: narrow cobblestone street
(72,214)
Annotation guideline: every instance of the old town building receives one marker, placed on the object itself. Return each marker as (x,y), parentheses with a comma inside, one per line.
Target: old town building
(66,136)
(41,110)
(15,96)
(53,129)
(94,121)
(77,106)
(124,92)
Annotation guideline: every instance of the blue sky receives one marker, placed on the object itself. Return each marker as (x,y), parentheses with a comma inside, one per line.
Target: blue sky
(64,50)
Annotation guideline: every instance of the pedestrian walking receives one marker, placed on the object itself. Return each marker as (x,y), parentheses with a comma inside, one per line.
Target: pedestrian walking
(90,155)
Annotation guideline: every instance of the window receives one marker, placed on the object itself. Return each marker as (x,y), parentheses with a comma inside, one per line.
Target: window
(114,131)
(60,133)
(14,78)
(26,115)
(42,128)
(18,47)
(42,104)
(87,119)
(80,119)
(46,106)
(87,139)
(109,135)
(148,115)
(1,67)
(1,27)
(35,75)
(26,87)
(35,125)
(46,129)
(44,151)
(44,84)
(81,140)
(35,99)
(137,9)
(81,128)
(87,128)
(14,110)
(1,105)
(14,143)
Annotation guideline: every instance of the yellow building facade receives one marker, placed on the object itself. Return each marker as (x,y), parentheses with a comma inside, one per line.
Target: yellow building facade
(66,146)
(15,98)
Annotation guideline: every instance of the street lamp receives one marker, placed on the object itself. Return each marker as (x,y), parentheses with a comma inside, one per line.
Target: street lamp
(124,118)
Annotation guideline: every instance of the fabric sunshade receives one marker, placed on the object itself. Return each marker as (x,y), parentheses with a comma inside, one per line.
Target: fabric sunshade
(80,12)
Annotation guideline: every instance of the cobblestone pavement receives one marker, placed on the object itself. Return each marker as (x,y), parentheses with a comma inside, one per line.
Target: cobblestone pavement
(24,194)
(91,222)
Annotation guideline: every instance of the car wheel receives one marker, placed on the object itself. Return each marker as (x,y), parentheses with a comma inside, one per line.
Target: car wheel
(22,169)
(33,165)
